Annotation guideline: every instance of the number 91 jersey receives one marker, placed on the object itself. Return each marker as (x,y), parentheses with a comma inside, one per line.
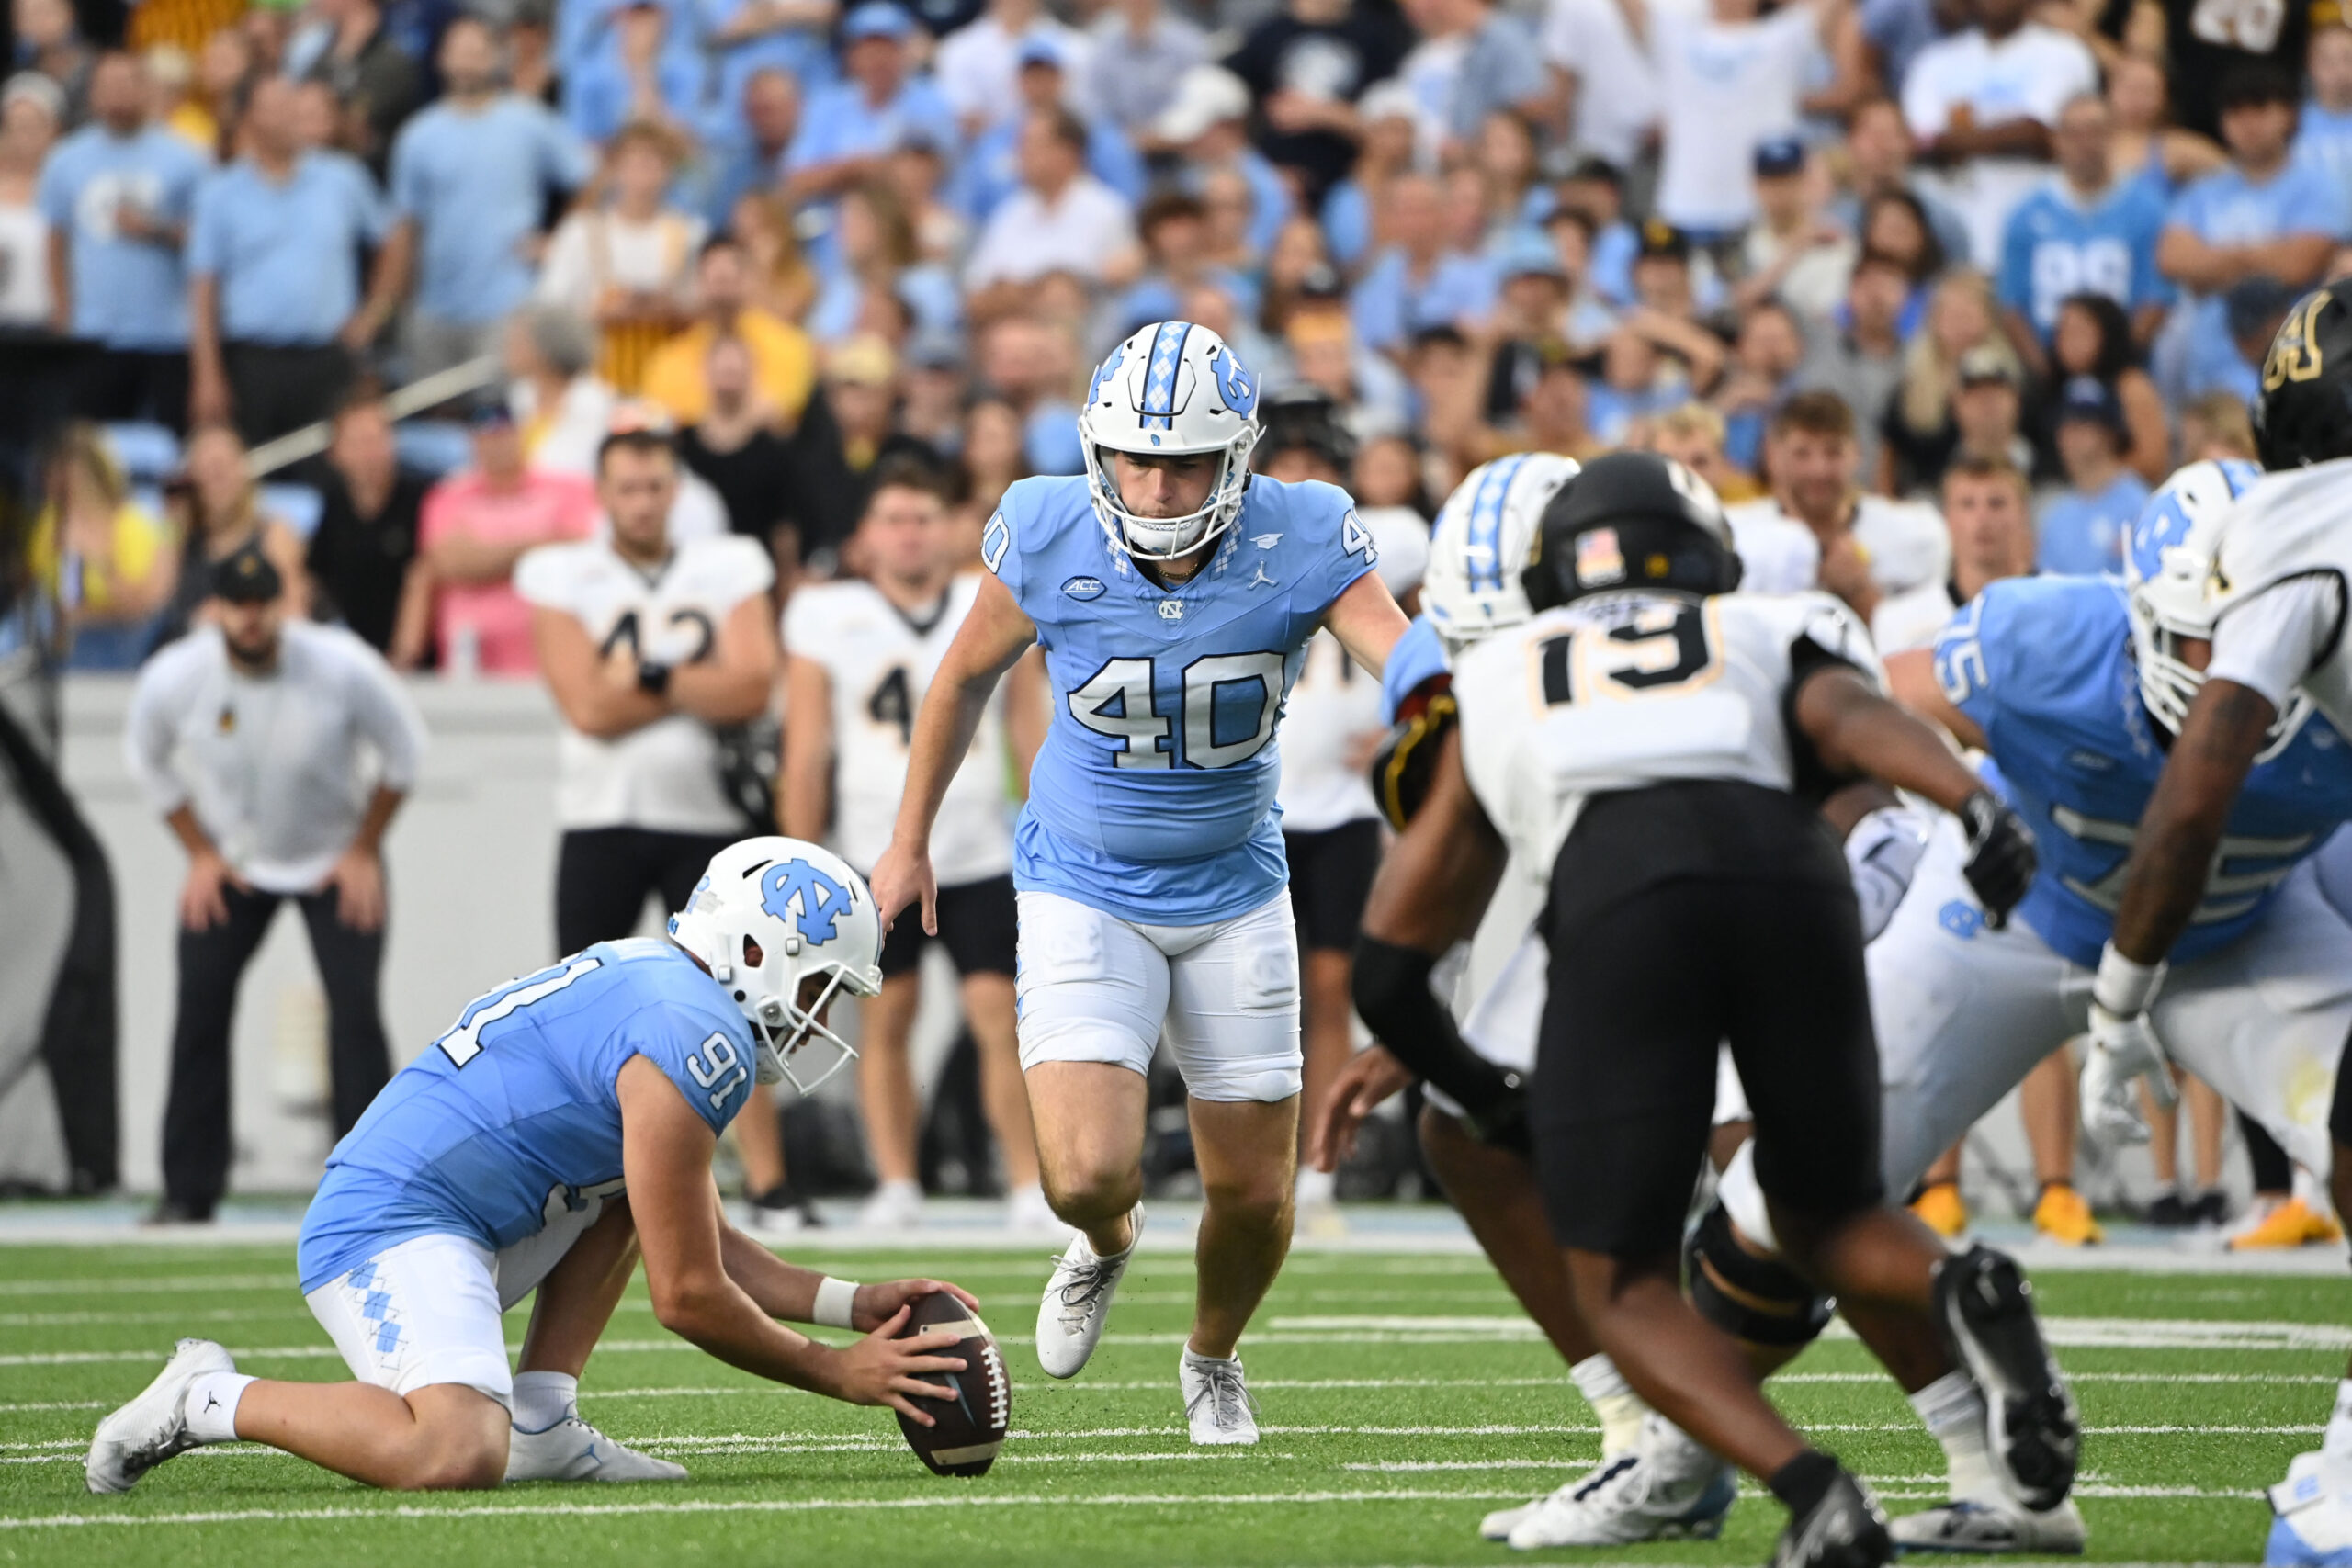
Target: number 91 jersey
(513,1116)
(1153,797)
(1629,690)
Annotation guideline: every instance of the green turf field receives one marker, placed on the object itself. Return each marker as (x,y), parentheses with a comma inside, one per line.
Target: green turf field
(1401,1396)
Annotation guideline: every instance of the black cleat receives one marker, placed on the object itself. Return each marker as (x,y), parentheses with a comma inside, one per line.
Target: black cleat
(1845,1529)
(1985,1310)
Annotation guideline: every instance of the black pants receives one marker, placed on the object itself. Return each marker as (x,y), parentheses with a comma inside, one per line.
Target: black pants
(197,1142)
(276,389)
(602,875)
(120,383)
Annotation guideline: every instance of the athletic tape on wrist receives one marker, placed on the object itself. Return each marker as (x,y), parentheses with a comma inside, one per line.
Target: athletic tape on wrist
(2124,985)
(835,1301)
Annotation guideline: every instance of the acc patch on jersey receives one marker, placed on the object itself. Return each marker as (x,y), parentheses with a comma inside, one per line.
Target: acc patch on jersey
(1083,587)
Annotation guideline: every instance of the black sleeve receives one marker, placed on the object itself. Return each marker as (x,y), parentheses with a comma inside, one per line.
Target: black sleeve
(1392,992)
(1814,779)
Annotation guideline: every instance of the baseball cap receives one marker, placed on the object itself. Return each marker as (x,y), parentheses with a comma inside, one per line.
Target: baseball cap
(1984,364)
(1598,171)
(936,348)
(1778,157)
(1528,254)
(2088,398)
(246,577)
(1040,50)
(862,361)
(876,18)
(1205,96)
(1661,238)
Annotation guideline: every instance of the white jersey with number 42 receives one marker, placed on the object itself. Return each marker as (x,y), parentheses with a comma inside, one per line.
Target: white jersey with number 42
(879,663)
(1628,690)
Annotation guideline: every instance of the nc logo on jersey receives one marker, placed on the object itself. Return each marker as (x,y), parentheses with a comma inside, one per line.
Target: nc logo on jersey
(823,901)
(1961,918)
(1171,609)
(1083,587)
(1237,386)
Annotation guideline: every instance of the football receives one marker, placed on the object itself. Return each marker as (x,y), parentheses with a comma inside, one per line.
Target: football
(971,1426)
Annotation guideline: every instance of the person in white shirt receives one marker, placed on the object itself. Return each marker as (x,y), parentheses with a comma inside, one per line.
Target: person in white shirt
(1982,103)
(1819,529)
(1728,81)
(253,737)
(859,655)
(1609,79)
(649,645)
(1988,508)
(976,63)
(1061,220)
(1332,829)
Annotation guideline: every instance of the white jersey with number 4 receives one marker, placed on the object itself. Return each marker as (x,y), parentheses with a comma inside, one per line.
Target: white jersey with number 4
(664,776)
(1629,690)
(879,661)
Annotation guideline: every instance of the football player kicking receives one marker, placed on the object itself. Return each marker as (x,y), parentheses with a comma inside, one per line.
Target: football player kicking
(2275,601)
(1637,755)
(1481,545)
(1174,595)
(562,1126)
(2074,689)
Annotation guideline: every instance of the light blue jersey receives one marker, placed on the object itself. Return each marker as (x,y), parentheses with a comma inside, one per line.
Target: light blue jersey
(1153,797)
(1419,654)
(514,1115)
(2043,667)
(2057,245)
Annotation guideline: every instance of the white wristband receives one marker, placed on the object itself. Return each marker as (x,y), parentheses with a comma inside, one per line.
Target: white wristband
(2124,986)
(836,1304)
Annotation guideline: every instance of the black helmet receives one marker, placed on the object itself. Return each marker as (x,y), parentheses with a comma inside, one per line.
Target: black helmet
(1303,418)
(1631,520)
(2304,415)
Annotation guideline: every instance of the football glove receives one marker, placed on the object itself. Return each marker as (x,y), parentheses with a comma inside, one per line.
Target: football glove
(2123,1047)
(2001,856)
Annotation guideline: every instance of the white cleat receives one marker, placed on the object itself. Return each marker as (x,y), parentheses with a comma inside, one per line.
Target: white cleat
(894,1206)
(1666,1488)
(1077,1299)
(153,1426)
(1499,1525)
(1216,1400)
(574,1450)
(1990,1524)
(2312,1509)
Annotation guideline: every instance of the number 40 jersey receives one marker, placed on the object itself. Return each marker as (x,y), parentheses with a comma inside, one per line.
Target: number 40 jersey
(1630,690)
(1153,797)
(513,1116)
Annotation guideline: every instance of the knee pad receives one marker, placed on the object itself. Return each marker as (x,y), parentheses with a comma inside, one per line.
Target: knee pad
(1759,1300)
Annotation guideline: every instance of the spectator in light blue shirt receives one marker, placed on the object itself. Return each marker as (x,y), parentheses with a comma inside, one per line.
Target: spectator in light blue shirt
(748,138)
(752,35)
(2082,527)
(639,76)
(1416,282)
(990,169)
(471,177)
(2084,232)
(2266,215)
(2324,137)
(119,192)
(852,126)
(274,307)
(1207,125)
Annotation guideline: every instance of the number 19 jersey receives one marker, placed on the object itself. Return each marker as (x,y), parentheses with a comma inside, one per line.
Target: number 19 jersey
(878,661)
(513,1116)
(1153,797)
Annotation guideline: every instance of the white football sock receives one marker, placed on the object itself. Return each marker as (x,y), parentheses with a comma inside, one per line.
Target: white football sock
(1318,1186)
(542,1399)
(1612,1399)
(1952,1409)
(2337,1444)
(211,1406)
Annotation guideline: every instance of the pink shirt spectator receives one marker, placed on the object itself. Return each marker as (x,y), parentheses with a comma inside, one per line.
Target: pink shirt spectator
(538,508)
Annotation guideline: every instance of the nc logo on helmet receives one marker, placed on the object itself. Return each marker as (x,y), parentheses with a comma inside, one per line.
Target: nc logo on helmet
(823,900)
(1237,386)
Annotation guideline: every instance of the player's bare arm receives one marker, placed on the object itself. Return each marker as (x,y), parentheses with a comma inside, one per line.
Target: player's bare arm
(993,637)
(804,803)
(589,702)
(1911,678)
(1365,619)
(788,1292)
(667,1151)
(2173,851)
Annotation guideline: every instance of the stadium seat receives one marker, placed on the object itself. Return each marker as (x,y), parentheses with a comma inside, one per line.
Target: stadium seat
(146,451)
(299,506)
(434,447)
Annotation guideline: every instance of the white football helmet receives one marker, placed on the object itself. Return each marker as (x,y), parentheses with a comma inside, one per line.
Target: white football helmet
(1484,536)
(1171,388)
(2165,562)
(809,917)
